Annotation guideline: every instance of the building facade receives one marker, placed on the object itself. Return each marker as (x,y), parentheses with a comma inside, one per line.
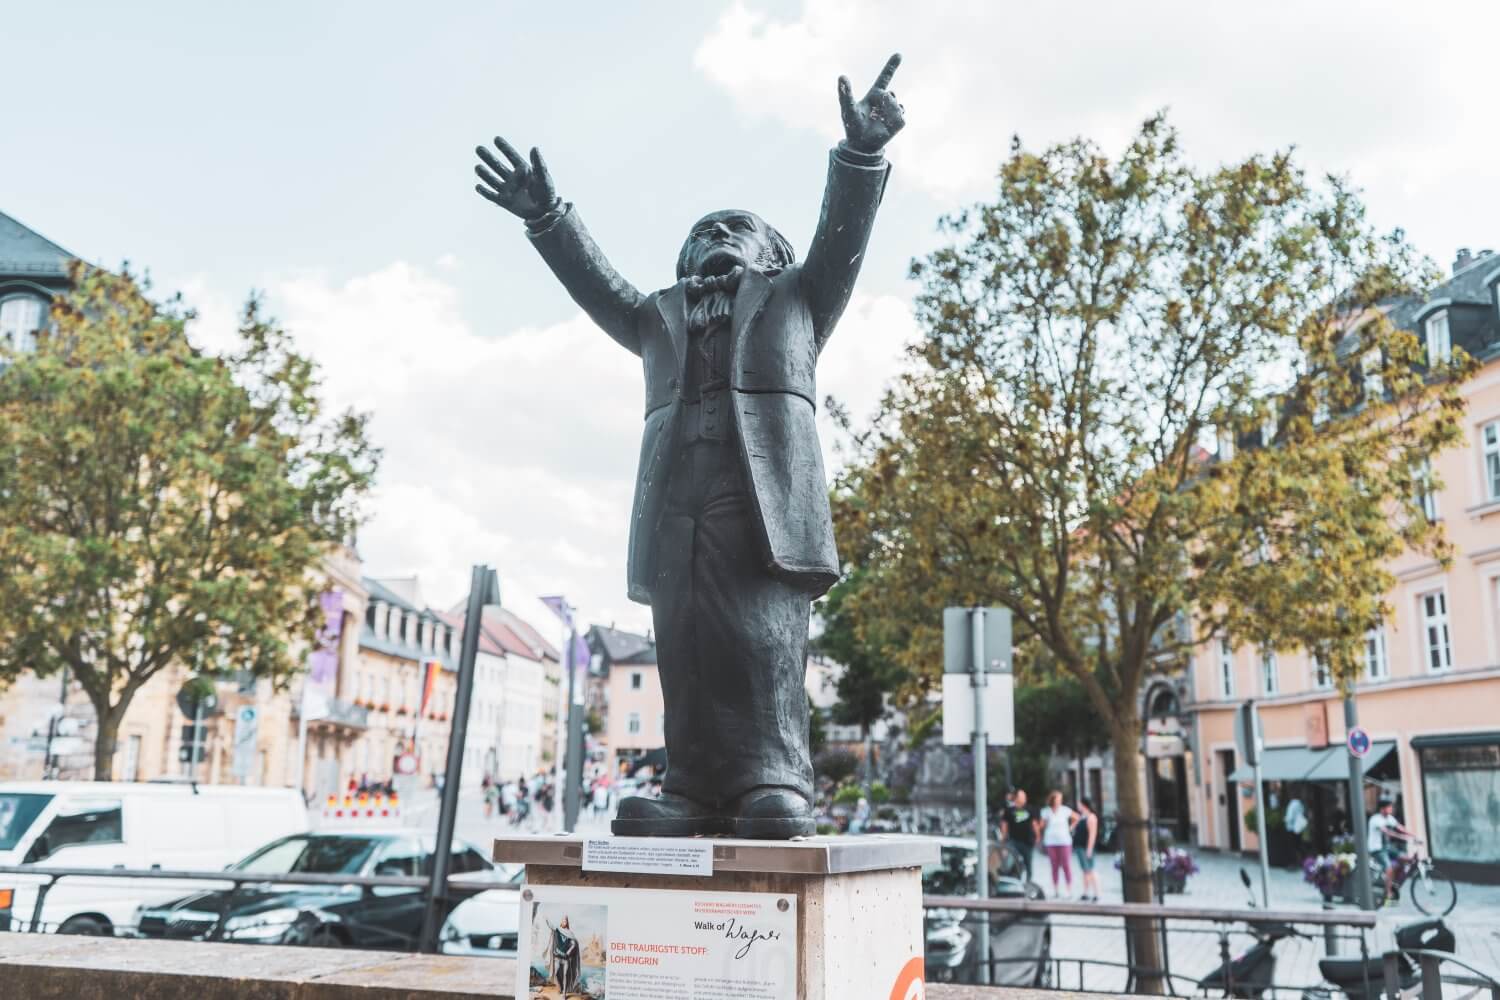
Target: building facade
(1430,689)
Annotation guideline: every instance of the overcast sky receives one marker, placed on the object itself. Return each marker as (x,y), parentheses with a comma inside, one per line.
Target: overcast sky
(321,153)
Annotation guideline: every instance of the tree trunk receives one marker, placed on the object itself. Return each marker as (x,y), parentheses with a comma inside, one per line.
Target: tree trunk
(107,721)
(1135,853)
(869,758)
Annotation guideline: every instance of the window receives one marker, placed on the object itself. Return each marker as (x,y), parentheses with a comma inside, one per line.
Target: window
(1226,669)
(1439,344)
(87,821)
(1268,672)
(1435,638)
(635,680)
(370,615)
(1426,496)
(1491,438)
(20,319)
(633,723)
(1321,677)
(1377,668)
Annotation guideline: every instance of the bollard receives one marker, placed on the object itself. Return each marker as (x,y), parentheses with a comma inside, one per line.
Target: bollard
(1330,935)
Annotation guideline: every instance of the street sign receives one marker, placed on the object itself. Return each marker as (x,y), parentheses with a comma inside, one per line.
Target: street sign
(246,735)
(195,696)
(1165,744)
(958,641)
(1358,742)
(999,710)
(406,763)
(1248,736)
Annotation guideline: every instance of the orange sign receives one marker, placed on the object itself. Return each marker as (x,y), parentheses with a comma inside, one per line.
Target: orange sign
(909,984)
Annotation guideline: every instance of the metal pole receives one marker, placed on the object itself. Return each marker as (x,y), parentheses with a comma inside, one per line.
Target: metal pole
(978,679)
(197,740)
(1260,836)
(1364,874)
(1151,851)
(302,746)
(559,744)
(569,791)
(484,588)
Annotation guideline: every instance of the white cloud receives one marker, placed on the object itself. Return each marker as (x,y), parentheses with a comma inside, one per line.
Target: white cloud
(517,450)
(1391,93)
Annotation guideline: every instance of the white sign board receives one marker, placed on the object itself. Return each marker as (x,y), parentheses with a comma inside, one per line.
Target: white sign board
(649,855)
(246,735)
(646,944)
(999,710)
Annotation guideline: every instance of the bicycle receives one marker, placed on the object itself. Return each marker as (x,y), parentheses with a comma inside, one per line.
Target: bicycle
(1432,892)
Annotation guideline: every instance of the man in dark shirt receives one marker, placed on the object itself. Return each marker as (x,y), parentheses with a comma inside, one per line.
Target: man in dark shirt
(1018,827)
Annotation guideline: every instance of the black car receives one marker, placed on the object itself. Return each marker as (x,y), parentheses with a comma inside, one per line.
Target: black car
(1020,946)
(385,917)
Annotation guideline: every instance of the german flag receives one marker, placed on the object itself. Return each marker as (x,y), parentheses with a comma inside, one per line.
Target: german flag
(429,682)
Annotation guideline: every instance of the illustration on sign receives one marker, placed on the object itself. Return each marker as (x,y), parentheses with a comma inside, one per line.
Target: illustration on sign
(644,944)
(1359,742)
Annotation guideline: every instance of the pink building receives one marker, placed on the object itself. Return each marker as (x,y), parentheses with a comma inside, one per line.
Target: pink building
(1430,694)
(634,712)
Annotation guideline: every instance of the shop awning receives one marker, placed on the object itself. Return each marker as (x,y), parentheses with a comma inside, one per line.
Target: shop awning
(1302,764)
(1280,764)
(1335,764)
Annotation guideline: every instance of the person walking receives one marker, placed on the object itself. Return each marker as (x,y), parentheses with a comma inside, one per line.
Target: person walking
(1085,838)
(1057,840)
(1018,827)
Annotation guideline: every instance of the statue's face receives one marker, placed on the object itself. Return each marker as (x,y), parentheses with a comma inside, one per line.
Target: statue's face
(721,240)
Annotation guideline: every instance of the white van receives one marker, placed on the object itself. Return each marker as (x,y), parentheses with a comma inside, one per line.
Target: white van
(100,824)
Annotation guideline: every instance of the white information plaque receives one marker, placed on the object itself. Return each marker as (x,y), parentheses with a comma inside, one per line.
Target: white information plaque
(648,855)
(655,944)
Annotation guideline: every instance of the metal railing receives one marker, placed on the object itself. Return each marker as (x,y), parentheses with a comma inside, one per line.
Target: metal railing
(1201,939)
(459,886)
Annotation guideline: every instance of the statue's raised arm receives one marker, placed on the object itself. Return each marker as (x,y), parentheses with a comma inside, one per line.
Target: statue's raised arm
(525,189)
(856,181)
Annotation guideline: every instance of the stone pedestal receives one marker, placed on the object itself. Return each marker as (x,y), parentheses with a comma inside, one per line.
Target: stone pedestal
(858,899)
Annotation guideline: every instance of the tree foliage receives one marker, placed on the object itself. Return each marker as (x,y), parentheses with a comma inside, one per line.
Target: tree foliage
(160,505)
(1050,448)
(869,675)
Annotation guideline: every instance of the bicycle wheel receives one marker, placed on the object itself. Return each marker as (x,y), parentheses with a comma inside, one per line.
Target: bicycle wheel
(1434,894)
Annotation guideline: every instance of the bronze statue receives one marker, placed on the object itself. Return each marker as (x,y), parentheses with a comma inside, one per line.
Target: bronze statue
(730,537)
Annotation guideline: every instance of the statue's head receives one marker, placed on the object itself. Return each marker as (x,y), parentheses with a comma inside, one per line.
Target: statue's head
(565,921)
(721,240)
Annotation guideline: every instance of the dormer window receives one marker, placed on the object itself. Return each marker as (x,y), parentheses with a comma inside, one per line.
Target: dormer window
(20,318)
(1439,343)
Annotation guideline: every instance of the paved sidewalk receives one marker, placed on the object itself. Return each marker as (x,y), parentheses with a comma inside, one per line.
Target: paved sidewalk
(1192,953)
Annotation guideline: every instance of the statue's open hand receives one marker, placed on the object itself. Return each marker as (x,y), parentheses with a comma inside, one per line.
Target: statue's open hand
(870,122)
(523,189)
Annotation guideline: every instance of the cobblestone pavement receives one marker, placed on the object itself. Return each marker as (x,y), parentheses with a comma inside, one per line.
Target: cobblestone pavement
(1192,953)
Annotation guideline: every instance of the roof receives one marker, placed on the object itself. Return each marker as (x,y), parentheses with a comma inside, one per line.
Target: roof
(26,253)
(517,636)
(618,646)
(488,641)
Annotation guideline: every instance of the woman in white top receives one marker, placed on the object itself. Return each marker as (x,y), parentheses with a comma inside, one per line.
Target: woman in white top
(1057,839)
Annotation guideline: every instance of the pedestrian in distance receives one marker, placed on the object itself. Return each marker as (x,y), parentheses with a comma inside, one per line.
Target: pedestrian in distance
(1085,838)
(1018,828)
(1057,839)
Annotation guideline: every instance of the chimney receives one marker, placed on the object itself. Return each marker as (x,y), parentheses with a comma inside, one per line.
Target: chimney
(1463,259)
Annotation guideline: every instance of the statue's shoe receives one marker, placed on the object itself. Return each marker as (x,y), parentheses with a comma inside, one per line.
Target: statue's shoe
(669,816)
(771,812)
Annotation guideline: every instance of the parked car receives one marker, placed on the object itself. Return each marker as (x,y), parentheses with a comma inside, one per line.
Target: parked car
(101,824)
(1020,947)
(484,926)
(387,917)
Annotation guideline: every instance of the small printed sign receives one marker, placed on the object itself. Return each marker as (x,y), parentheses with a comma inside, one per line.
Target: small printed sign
(648,856)
(1358,741)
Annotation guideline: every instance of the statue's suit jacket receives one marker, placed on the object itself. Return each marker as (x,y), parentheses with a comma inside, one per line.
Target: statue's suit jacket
(780,323)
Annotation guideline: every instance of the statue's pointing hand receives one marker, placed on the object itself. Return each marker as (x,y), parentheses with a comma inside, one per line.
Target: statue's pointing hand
(872,121)
(521,188)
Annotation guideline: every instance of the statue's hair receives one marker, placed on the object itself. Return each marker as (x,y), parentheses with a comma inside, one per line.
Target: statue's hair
(778,256)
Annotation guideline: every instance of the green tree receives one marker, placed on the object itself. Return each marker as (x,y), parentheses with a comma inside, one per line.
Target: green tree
(1056,715)
(160,505)
(1088,334)
(869,675)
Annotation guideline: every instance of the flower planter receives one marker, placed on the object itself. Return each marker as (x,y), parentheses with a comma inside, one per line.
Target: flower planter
(1173,883)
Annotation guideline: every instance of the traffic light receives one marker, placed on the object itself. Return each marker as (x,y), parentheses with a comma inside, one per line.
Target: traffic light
(194,744)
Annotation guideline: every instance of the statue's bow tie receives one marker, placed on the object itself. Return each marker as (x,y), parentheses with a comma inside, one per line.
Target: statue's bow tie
(697,287)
